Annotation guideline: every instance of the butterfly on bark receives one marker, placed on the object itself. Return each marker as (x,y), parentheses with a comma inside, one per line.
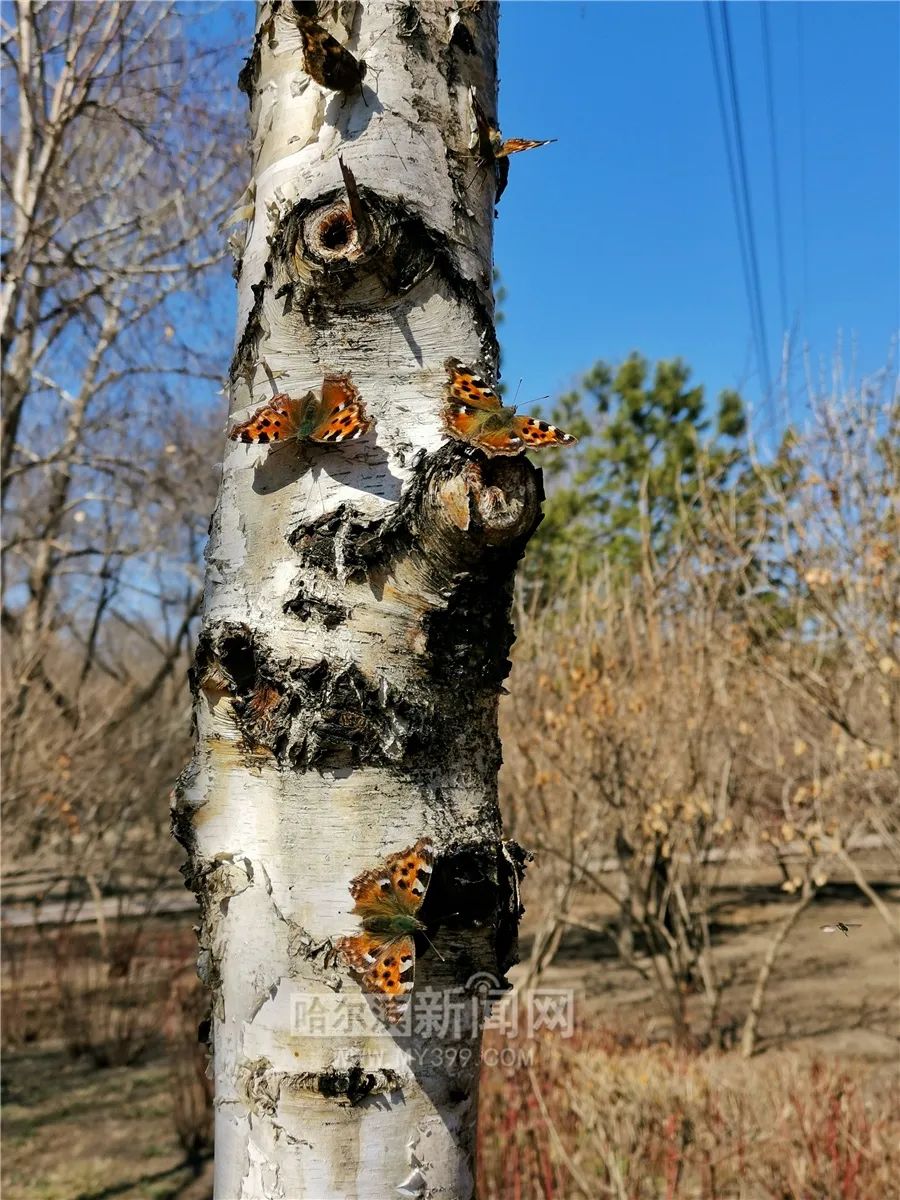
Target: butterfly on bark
(327,61)
(491,143)
(493,148)
(383,956)
(475,414)
(337,415)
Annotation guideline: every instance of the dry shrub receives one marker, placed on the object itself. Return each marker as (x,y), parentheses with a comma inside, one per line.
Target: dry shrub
(109,423)
(85,813)
(591,1117)
(743,695)
(111,995)
(59,986)
(113,1021)
(189,1062)
(24,1016)
(105,999)
(89,800)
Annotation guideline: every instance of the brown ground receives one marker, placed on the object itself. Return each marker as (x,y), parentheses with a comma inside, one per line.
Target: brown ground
(73,1132)
(831,994)
(70,1131)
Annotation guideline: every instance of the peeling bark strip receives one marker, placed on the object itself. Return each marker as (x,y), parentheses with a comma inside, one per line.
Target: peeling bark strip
(356,622)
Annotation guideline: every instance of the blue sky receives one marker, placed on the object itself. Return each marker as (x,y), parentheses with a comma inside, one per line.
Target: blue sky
(622,236)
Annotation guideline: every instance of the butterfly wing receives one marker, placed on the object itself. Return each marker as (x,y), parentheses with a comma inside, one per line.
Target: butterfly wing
(397,887)
(276,421)
(488,137)
(410,874)
(385,964)
(517,145)
(469,425)
(341,416)
(472,412)
(327,61)
(384,967)
(537,434)
(466,387)
(470,401)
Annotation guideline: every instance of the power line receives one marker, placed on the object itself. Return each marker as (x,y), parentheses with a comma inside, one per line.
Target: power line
(776,174)
(748,207)
(732,131)
(801,86)
(729,154)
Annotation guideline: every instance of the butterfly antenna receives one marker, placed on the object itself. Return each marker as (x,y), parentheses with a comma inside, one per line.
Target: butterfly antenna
(518,387)
(373,41)
(432,945)
(362,59)
(536,400)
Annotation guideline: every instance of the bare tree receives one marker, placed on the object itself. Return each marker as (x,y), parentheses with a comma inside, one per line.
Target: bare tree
(117,166)
(356,621)
(740,700)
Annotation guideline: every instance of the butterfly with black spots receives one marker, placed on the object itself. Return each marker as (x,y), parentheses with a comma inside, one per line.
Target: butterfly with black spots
(337,415)
(383,956)
(474,413)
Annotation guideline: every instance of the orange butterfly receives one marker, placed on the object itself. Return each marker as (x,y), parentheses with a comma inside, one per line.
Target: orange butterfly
(475,414)
(338,416)
(492,148)
(490,141)
(383,956)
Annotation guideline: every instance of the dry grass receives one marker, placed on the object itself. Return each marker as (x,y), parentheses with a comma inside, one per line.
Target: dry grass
(601,1116)
(71,1132)
(109,1059)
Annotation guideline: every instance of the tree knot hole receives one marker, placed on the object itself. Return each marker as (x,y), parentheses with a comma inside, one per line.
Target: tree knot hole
(238,659)
(337,230)
(333,234)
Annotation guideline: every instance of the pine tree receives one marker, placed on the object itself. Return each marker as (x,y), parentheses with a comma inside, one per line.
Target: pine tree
(647,447)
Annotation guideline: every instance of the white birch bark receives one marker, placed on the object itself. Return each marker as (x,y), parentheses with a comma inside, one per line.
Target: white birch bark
(356,621)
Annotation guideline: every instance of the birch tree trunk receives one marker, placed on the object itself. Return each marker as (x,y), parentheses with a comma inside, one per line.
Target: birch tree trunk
(356,622)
